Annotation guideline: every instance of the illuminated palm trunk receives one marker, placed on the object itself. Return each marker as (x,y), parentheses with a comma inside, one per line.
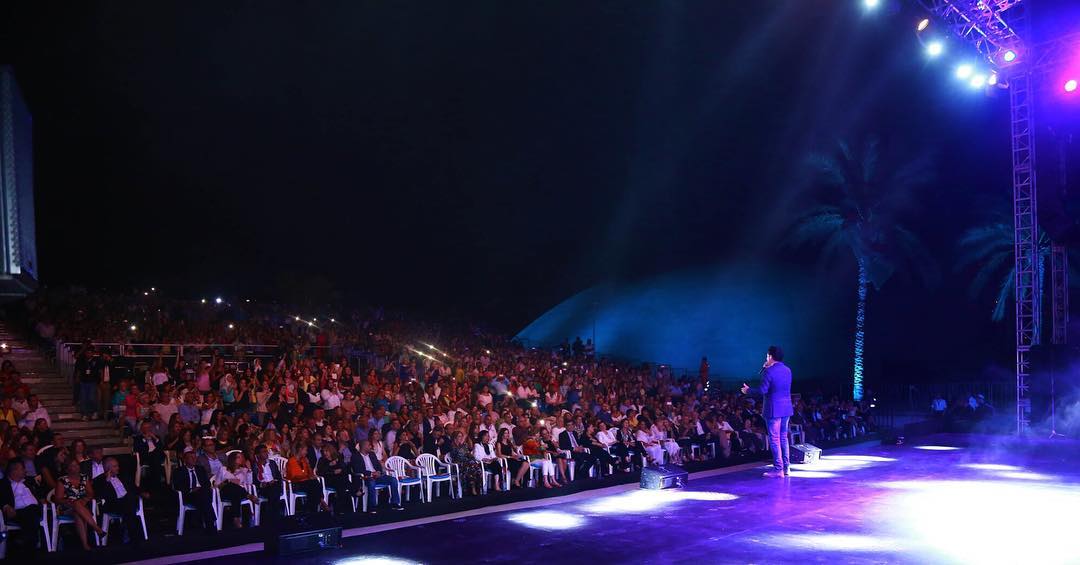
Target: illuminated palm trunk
(860,322)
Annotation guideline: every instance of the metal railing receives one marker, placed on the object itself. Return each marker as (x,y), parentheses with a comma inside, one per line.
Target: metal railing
(236,356)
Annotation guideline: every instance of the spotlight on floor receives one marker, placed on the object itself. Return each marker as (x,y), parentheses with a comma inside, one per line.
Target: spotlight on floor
(935,48)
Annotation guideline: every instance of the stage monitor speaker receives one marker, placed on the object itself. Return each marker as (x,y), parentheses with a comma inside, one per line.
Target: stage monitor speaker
(303,542)
(658,477)
(805,453)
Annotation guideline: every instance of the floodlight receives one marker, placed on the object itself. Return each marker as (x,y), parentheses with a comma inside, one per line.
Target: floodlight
(964,72)
(935,48)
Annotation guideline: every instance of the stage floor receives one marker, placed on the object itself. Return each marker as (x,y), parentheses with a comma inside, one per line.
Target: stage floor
(943,499)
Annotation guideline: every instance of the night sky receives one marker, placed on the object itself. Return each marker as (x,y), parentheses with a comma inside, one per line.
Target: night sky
(486,158)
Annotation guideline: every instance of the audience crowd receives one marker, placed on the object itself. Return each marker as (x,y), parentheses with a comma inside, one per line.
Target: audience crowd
(339,411)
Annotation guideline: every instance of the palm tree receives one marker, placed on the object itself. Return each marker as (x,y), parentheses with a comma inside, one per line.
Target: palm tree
(990,248)
(858,218)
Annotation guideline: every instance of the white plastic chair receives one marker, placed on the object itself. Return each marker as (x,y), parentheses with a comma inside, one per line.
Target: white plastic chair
(44,524)
(59,519)
(108,517)
(221,504)
(400,468)
(184,508)
(504,473)
(291,495)
(431,475)
(140,469)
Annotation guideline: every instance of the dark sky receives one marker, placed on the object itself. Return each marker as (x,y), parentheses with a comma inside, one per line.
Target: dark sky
(484,157)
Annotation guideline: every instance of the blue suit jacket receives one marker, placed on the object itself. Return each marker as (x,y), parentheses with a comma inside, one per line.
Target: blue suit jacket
(776,390)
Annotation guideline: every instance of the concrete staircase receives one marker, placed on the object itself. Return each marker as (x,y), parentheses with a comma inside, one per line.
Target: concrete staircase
(54,391)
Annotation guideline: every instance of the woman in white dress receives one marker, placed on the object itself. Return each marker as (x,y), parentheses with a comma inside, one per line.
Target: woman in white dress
(651,445)
(662,434)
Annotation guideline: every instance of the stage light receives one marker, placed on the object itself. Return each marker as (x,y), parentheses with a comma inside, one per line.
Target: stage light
(374,560)
(547,520)
(871,4)
(935,48)
(133,327)
(332,320)
(936,448)
(1024,476)
(145,293)
(645,500)
(978,81)
(836,542)
(217,300)
(152,289)
(1009,56)
(992,79)
(964,71)
(991,467)
(297,318)
(1070,85)
(925,23)
(203,301)
(231,326)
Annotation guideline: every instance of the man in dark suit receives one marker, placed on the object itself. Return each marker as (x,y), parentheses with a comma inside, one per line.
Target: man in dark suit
(151,452)
(366,469)
(120,498)
(95,465)
(20,503)
(776,408)
(266,476)
(192,480)
(583,459)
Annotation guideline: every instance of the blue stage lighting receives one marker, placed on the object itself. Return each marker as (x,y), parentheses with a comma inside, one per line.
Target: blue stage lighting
(978,81)
(1009,56)
(992,79)
(935,48)
(871,4)
(964,72)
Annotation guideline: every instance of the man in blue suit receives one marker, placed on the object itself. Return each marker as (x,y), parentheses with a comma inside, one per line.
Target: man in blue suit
(776,408)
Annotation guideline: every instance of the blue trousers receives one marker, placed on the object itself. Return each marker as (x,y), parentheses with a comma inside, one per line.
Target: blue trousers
(778,442)
(395,492)
(88,398)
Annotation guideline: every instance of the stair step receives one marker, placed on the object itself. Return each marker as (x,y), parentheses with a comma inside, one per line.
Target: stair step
(70,424)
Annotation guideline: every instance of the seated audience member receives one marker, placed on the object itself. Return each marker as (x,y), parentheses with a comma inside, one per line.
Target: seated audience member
(120,497)
(192,481)
(368,472)
(21,504)
(299,472)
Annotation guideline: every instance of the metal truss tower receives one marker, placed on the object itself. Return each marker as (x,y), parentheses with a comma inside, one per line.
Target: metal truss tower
(999,31)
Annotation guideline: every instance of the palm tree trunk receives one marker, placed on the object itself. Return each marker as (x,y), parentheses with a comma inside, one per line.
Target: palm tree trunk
(860,322)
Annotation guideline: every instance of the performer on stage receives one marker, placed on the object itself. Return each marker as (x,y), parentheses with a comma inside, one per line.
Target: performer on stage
(776,390)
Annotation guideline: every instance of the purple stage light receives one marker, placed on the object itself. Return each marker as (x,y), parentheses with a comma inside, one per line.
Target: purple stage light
(1070,85)
(1009,56)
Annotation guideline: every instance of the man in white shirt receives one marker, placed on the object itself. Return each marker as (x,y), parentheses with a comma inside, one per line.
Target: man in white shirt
(34,413)
(331,397)
(19,503)
(120,498)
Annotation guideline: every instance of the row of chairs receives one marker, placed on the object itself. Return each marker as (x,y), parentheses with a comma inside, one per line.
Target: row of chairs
(52,519)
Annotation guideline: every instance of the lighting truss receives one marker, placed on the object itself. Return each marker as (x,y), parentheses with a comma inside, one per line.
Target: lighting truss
(994,27)
(988,25)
